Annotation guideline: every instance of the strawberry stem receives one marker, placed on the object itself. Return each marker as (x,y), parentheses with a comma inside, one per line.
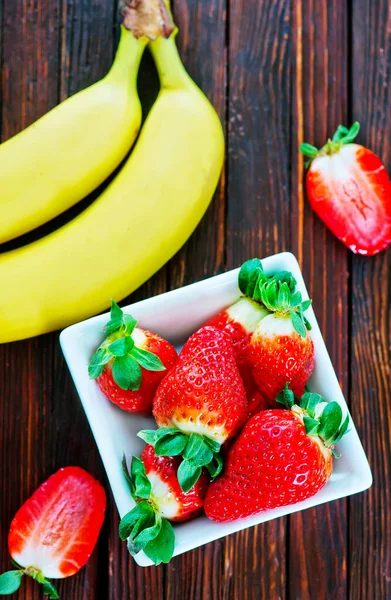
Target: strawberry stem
(342,136)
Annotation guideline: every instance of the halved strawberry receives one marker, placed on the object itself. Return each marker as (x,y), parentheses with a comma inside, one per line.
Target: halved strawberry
(280,457)
(54,533)
(154,486)
(349,189)
(199,405)
(130,363)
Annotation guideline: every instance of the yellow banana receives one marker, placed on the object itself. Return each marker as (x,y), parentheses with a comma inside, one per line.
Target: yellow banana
(67,153)
(139,222)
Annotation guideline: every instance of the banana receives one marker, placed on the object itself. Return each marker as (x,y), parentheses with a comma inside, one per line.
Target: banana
(138,223)
(67,153)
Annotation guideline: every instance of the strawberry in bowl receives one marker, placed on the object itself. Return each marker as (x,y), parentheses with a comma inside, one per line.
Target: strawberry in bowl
(130,363)
(199,405)
(153,482)
(281,457)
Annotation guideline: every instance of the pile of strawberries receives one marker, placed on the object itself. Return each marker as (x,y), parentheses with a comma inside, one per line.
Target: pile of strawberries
(237,431)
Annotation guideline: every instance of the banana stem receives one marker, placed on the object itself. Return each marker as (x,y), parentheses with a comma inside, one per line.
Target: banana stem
(127,59)
(172,73)
(147,18)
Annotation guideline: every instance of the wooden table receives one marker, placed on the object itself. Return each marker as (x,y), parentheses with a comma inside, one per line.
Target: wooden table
(278,72)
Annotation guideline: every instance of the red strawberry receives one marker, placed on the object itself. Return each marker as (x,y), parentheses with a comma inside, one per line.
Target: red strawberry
(54,533)
(154,486)
(240,321)
(130,363)
(199,405)
(280,349)
(349,189)
(256,403)
(281,457)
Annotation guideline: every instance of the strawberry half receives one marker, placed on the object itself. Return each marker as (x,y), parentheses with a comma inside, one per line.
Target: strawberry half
(199,405)
(280,350)
(280,457)
(349,189)
(55,531)
(130,363)
(154,486)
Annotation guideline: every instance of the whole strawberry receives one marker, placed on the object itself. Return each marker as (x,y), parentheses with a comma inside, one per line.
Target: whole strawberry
(130,363)
(154,486)
(199,405)
(280,350)
(280,457)
(241,319)
(54,532)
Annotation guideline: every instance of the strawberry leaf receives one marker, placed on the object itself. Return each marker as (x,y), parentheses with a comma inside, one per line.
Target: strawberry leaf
(197,451)
(215,466)
(249,274)
(50,590)
(127,475)
(351,134)
(329,422)
(142,485)
(308,150)
(213,445)
(142,511)
(10,582)
(306,304)
(144,532)
(161,549)
(121,347)
(342,430)
(340,133)
(148,435)
(311,425)
(130,324)
(309,401)
(298,323)
(97,363)
(127,373)
(116,313)
(147,360)
(171,445)
(188,474)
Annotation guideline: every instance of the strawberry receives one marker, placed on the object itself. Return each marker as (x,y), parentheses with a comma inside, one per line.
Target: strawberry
(242,318)
(54,533)
(349,189)
(280,457)
(154,486)
(280,350)
(199,405)
(130,363)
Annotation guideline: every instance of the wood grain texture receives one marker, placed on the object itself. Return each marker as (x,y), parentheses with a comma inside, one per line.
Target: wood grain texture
(42,423)
(320,89)
(370,526)
(258,222)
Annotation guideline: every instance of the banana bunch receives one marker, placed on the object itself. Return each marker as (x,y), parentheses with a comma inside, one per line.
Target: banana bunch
(141,219)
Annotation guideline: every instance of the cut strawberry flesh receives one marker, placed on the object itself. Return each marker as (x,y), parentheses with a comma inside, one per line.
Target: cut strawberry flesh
(55,530)
(351,192)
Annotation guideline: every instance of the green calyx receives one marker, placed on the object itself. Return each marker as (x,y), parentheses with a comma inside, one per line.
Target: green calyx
(119,348)
(144,527)
(197,451)
(11,580)
(320,417)
(277,293)
(341,137)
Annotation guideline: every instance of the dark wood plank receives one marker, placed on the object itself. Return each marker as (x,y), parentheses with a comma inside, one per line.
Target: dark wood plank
(370,525)
(258,221)
(47,55)
(316,567)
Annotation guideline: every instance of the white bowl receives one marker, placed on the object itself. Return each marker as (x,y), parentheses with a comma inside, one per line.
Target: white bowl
(175,316)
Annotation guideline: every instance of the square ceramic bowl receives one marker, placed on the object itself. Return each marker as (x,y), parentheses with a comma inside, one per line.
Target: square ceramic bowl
(175,316)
